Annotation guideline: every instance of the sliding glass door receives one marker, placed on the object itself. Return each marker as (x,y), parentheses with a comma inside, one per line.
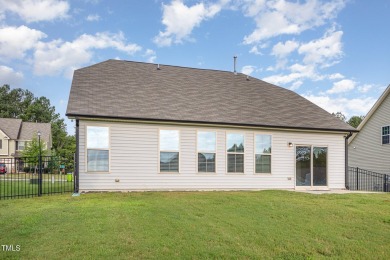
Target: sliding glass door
(311,166)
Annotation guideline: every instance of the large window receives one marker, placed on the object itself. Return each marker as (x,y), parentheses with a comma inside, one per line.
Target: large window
(98,149)
(386,135)
(235,153)
(169,150)
(206,151)
(263,153)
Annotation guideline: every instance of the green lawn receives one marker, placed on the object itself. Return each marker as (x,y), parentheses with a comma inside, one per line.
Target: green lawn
(197,225)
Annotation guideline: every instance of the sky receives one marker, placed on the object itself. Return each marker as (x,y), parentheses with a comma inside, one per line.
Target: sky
(336,53)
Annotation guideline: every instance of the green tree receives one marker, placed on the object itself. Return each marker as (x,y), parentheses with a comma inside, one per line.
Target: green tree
(33,148)
(20,103)
(355,121)
(340,116)
(32,151)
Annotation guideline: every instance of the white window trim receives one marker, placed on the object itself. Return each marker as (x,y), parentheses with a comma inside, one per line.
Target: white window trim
(5,147)
(254,153)
(311,167)
(204,151)
(168,151)
(226,152)
(86,149)
(381,134)
(17,144)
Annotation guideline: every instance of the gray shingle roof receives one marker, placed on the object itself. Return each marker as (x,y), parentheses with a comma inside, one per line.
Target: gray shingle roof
(135,90)
(17,130)
(11,127)
(30,129)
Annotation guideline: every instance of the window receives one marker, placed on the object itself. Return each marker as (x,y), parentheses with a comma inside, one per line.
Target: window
(169,150)
(1,144)
(386,135)
(206,151)
(263,153)
(98,149)
(235,153)
(20,145)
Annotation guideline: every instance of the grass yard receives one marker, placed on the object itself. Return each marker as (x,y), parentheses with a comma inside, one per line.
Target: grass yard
(197,225)
(14,185)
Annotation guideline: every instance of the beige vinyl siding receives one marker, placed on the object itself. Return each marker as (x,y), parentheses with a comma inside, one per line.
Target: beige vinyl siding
(366,150)
(12,146)
(4,144)
(134,160)
(187,156)
(221,153)
(249,150)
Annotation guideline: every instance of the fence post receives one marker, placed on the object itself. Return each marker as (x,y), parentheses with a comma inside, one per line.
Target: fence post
(357,178)
(40,176)
(385,183)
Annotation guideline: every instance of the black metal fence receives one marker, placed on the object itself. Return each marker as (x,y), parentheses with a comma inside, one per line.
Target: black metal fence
(35,176)
(360,179)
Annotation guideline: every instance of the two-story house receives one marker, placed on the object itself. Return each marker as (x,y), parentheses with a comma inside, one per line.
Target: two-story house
(370,148)
(15,134)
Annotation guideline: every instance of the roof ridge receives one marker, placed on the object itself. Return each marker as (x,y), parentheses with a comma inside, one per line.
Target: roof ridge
(176,66)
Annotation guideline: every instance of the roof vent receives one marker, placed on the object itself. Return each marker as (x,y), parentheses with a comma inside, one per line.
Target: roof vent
(235,62)
(247,77)
(158,66)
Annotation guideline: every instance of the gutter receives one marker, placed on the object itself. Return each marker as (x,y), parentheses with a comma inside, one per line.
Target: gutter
(346,160)
(204,123)
(77,162)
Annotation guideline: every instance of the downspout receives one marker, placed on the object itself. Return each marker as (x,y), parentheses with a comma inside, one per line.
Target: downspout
(76,174)
(346,159)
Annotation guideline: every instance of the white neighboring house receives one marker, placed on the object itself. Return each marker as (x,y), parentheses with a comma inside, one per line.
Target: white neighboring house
(370,148)
(142,126)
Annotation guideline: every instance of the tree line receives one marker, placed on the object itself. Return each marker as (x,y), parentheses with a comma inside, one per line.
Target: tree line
(353,121)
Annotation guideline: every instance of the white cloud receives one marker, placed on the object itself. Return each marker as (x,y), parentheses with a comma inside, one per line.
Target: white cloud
(10,76)
(255,50)
(318,53)
(150,55)
(342,86)
(279,17)
(325,51)
(15,41)
(58,57)
(280,64)
(93,18)
(296,85)
(365,88)
(336,76)
(36,10)
(283,79)
(297,72)
(349,107)
(283,49)
(248,69)
(180,20)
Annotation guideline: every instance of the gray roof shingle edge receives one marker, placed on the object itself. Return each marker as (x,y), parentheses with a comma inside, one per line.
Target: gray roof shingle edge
(136,90)
(15,129)
(29,129)
(11,127)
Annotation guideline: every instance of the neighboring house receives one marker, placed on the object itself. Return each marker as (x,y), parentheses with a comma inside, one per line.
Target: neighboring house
(370,148)
(15,135)
(142,126)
